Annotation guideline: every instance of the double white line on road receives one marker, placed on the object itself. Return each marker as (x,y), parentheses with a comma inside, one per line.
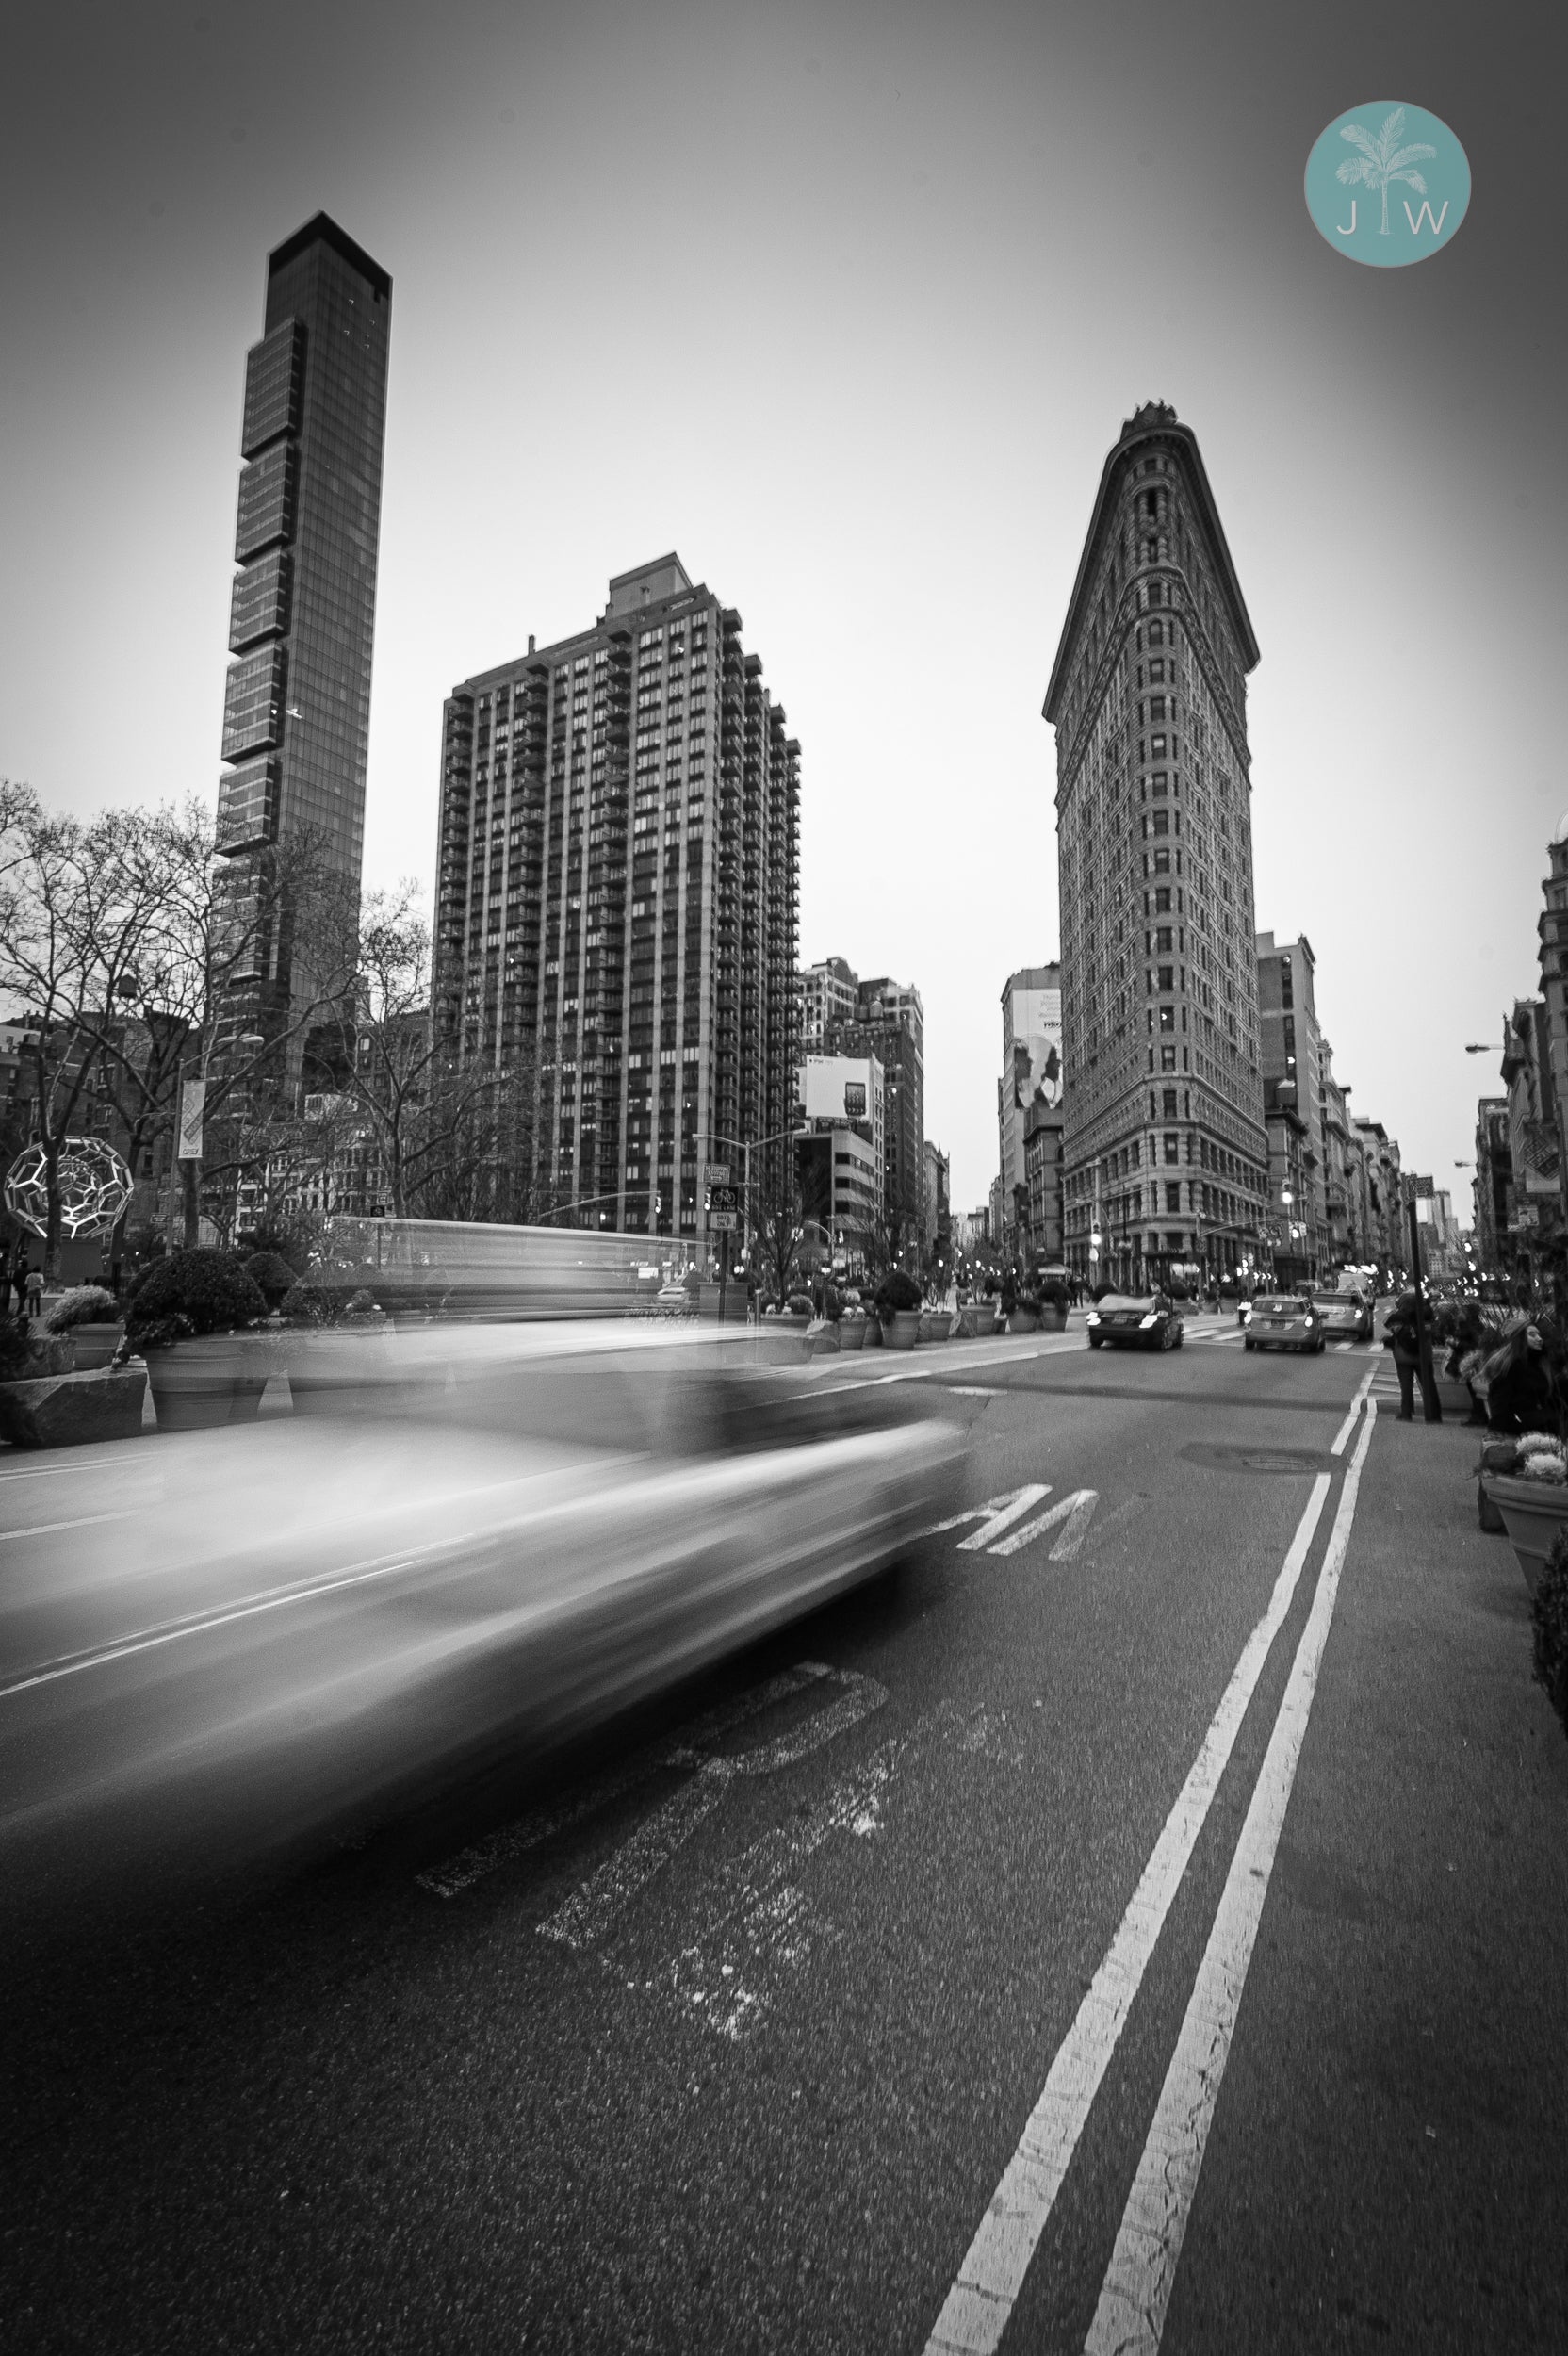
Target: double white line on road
(1137,2290)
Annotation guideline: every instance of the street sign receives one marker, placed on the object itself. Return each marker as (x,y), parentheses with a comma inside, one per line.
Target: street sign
(723,1222)
(715,1173)
(723,1197)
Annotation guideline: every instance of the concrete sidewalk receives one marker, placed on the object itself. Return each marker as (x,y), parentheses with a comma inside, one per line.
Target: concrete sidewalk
(1389,2161)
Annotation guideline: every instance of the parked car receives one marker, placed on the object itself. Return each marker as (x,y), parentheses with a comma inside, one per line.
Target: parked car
(1346,1317)
(1136,1321)
(1285,1321)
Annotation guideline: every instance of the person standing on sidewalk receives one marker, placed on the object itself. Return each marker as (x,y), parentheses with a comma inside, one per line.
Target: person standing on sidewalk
(33,1295)
(1400,1335)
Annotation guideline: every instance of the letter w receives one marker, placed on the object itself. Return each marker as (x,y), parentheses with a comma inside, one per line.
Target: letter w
(1426,213)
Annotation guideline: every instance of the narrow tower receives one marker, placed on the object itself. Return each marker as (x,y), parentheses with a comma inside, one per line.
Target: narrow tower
(301,616)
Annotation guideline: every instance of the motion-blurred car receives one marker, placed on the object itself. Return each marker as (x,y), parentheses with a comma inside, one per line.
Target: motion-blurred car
(1346,1317)
(1136,1321)
(477,1543)
(1284,1322)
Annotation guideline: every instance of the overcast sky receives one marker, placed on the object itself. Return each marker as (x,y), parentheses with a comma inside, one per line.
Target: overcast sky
(846,304)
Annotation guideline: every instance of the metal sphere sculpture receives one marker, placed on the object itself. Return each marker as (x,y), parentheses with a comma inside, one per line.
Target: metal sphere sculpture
(95,1186)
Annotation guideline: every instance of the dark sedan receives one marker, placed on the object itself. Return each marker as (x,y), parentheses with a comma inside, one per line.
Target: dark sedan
(1136,1321)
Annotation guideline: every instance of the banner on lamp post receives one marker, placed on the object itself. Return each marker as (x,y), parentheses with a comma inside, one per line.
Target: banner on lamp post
(192,1098)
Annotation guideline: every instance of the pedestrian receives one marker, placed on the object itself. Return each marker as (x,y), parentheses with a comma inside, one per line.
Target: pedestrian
(1517,1382)
(1401,1334)
(33,1294)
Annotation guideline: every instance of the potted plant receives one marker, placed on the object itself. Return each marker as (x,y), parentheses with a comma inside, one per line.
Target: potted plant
(1531,1494)
(1054,1303)
(978,1318)
(1019,1308)
(272,1276)
(852,1326)
(335,1346)
(898,1310)
(91,1314)
(189,1318)
(937,1325)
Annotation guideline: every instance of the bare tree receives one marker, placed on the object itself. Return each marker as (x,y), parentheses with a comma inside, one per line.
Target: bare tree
(74,913)
(451,1137)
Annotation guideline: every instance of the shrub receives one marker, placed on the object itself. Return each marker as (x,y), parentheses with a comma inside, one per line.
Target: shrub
(271,1272)
(192,1292)
(799,1305)
(1549,1614)
(314,1300)
(85,1305)
(1053,1294)
(16,1350)
(897,1292)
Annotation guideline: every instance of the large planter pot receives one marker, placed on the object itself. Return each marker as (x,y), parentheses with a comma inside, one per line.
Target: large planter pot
(936,1325)
(1024,1321)
(1454,1398)
(1053,1318)
(71,1410)
(343,1370)
(1533,1512)
(977,1320)
(96,1344)
(900,1328)
(873,1332)
(851,1332)
(202,1384)
(821,1338)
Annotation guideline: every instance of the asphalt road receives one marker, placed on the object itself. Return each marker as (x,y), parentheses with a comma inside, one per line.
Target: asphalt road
(1137,1921)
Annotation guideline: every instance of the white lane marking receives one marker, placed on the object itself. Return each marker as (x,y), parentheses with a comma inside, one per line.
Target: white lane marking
(74,1471)
(1137,2290)
(1119,1513)
(45,1529)
(970,1390)
(993,1518)
(590,1912)
(975,2312)
(541,1823)
(1234,1336)
(1336,1446)
(1076,1509)
(758,1918)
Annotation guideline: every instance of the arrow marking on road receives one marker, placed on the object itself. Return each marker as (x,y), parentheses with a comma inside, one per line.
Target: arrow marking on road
(590,1912)
(994,1516)
(1076,1510)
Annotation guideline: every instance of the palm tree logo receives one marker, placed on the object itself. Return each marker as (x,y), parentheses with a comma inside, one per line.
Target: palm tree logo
(1382,161)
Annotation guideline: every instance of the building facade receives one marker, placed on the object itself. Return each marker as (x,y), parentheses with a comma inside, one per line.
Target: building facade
(1166,1157)
(1535,1234)
(619,875)
(841,1152)
(1030,1086)
(1553,925)
(302,607)
(1493,1204)
(1290,1052)
(841,1015)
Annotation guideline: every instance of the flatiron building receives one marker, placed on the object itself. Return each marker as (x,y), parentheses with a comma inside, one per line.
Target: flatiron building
(1166,1154)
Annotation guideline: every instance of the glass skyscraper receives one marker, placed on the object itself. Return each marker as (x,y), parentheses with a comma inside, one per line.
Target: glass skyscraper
(301,619)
